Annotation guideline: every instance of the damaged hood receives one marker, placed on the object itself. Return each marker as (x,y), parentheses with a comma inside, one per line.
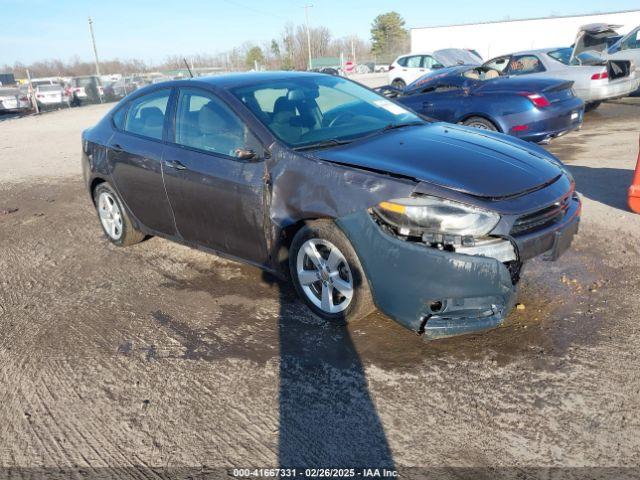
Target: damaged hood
(457,158)
(456,56)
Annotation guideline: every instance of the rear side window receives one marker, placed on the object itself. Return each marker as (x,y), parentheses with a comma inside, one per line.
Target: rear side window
(119,118)
(402,61)
(146,114)
(204,122)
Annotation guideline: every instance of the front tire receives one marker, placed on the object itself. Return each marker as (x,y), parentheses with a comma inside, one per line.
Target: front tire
(399,84)
(327,273)
(114,219)
(480,123)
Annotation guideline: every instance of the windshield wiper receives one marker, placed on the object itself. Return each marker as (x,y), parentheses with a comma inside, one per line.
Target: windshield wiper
(393,126)
(332,142)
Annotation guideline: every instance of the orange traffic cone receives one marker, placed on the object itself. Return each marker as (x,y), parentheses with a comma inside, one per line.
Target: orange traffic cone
(634,189)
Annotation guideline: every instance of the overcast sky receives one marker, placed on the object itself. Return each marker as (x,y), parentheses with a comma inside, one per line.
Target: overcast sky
(42,29)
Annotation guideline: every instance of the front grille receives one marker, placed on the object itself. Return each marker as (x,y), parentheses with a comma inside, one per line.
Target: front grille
(542,218)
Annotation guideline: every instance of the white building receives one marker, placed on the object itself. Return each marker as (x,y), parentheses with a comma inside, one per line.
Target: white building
(491,39)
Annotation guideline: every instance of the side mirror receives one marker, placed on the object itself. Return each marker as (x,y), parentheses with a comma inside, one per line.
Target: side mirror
(245,153)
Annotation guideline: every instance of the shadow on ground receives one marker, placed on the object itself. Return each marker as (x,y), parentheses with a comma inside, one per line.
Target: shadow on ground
(605,185)
(327,416)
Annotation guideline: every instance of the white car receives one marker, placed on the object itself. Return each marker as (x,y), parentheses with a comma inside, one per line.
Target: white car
(603,39)
(12,99)
(50,96)
(594,79)
(406,69)
(87,88)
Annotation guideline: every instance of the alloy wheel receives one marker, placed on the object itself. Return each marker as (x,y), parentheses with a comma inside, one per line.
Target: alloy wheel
(110,215)
(479,125)
(324,275)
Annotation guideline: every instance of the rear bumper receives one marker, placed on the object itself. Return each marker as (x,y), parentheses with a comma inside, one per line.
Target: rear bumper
(51,101)
(609,90)
(439,293)
(550,122)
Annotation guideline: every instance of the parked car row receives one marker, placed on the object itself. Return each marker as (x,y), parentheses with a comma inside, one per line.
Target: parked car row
(535,95)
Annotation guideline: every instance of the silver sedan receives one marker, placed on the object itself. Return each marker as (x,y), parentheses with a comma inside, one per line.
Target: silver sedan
(593,83)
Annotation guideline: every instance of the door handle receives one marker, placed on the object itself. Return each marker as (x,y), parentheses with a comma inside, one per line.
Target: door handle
(117,148)
(178,165)
(427,104)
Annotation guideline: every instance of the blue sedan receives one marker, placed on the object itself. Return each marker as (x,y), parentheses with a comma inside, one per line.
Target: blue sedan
(536,110)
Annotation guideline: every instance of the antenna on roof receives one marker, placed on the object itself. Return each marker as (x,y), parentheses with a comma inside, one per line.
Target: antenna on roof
(188,68)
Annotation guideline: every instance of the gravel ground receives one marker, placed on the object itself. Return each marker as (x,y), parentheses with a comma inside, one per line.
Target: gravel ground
(158,356)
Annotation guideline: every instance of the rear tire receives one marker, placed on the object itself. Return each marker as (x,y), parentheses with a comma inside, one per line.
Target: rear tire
(591,106)
(480,123)
(114,219)
(399,84)
(327,273)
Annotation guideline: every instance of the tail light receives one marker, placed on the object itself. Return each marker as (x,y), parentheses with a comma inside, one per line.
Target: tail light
(24,99)
(600,76)
(40,95)
(537,99)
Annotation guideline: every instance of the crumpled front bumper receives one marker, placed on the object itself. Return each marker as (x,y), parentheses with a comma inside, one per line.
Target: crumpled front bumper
(407,279)
(440,293)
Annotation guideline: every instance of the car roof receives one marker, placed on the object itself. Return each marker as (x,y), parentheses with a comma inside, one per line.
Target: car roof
(231,80)
(413,54)
(532,52)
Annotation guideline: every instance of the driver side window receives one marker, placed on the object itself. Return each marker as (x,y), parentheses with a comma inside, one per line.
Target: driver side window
(414,62)
(525,64)
(204,122)
(431,63)
(498,64)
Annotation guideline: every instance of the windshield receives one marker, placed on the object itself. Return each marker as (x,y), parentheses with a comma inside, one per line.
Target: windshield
(314,109)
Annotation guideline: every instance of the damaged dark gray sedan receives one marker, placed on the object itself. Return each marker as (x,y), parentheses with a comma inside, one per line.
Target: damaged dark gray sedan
(361,202)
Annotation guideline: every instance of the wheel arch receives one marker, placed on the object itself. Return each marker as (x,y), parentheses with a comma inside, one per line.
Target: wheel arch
(94,184)
(286,237)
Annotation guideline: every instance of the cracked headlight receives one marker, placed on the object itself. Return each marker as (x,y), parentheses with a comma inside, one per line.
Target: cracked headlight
(418,215)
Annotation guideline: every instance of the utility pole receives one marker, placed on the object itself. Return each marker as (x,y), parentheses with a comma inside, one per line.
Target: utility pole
(95,50)
(306,16)
(32,94)
(353,51)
